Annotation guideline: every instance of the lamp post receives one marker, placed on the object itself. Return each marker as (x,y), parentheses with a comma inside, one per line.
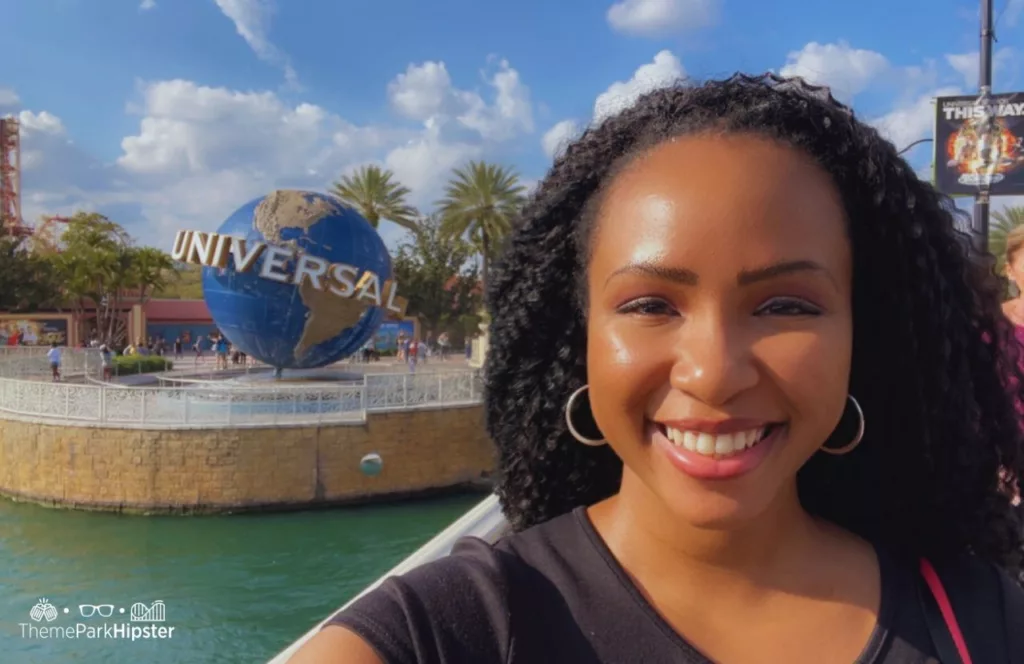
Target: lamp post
(979,225)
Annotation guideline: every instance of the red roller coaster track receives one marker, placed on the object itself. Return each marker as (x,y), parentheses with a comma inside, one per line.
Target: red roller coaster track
(10,178)
(11,220)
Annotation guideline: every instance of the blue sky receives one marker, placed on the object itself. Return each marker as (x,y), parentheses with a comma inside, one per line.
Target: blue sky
(168,114)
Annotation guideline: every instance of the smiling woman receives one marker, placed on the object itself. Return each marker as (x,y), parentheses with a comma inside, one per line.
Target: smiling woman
(776,408)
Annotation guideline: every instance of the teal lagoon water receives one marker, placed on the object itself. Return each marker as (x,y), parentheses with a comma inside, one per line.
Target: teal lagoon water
(235,588)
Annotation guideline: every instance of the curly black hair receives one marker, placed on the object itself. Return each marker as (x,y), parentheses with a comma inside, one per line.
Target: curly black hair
(934,361)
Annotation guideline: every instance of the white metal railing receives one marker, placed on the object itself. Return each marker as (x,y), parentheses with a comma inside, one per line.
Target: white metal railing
(30,361)
(484,521)
(26,392)
(22,351)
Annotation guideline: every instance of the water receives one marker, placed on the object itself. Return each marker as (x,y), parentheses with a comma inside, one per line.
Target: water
(236,588)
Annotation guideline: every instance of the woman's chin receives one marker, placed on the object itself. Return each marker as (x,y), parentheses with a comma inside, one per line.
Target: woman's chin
(708,509)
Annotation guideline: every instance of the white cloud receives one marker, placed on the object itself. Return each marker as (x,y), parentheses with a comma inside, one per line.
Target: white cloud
(511,112)
(199,152)
(422,91)
(425,92)
(8,98)
(252,22)
(967,65)
(913,119)
(202,151)
(558,136)
(188,128)
(663,70)
(659,17)
(42,122)
(845,70)
(424,163)
(146,5)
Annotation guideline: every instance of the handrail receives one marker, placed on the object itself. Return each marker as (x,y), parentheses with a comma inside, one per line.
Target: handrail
(91,403)
(484,521)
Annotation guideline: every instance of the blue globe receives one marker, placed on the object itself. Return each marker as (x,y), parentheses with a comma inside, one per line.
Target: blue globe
(286,325)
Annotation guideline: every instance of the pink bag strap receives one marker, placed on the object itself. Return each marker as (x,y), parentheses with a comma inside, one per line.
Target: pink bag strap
(931,577)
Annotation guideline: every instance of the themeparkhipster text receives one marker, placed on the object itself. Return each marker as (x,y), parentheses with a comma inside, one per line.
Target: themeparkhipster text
(341,279)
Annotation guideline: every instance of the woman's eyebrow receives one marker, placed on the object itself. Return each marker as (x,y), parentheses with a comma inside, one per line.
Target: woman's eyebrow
(688,277)
(748,277)
(650,269)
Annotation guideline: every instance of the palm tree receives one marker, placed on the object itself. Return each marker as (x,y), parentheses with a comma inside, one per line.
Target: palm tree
(376,195)
(1003,221)
(481,200)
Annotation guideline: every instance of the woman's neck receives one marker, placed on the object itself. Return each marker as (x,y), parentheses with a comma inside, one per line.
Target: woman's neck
(772,550)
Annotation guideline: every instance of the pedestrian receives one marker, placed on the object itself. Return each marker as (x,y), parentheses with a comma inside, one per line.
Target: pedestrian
(53,355)
(107,362)
(442,346)
(221,349)
(411,352)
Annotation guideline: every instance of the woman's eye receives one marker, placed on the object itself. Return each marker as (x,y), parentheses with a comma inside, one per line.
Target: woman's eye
(788,306)
(647,306)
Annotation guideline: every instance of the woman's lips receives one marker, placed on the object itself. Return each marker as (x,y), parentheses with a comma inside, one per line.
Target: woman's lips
(691,452)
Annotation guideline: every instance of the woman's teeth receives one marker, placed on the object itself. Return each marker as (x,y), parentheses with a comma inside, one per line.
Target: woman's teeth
(715,444)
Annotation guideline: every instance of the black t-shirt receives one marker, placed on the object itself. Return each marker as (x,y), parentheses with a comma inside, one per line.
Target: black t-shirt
(554,593)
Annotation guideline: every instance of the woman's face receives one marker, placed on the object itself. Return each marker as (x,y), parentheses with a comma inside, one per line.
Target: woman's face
(719,323)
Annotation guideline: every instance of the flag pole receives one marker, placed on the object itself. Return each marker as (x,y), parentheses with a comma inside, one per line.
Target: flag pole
(981,199)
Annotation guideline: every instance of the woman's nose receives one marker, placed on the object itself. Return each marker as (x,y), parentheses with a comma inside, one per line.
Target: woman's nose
(713,362)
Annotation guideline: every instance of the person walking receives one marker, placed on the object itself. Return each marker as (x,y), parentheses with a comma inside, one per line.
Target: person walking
(442,346)
(412,353)
(107,362)
(53,355)
(221,349)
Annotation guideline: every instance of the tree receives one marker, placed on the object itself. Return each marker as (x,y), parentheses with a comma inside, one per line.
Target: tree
(376,195)
(27,280)
(1003,221)
(431,274)
(479,203)
(100,267)
(148,271)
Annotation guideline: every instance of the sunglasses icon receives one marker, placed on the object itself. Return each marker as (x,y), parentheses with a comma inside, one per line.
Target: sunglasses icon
(89,610)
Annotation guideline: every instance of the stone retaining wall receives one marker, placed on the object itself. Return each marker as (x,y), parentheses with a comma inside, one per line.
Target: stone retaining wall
(227,470)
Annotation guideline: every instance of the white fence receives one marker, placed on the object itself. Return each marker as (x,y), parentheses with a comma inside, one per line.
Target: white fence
(30,361)
(25,392)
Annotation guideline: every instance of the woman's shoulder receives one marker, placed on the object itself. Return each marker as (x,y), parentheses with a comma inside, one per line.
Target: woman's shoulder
(988,604)
(461,604)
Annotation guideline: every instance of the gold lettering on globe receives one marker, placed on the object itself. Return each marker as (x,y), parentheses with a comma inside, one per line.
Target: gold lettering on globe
(340,279)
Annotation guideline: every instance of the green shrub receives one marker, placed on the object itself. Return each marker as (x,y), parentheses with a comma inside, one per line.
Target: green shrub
(127,365)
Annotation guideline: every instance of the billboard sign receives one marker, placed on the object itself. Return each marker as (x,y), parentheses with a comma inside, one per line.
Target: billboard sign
(27,331)
(980,144)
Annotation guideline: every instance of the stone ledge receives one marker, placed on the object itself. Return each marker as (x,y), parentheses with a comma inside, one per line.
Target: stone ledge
(234,469)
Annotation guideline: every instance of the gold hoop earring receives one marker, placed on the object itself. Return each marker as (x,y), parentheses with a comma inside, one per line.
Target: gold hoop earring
(852,445)
(569,406)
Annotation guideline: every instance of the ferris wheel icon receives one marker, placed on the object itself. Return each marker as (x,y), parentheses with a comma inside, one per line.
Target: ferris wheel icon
(155,612)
